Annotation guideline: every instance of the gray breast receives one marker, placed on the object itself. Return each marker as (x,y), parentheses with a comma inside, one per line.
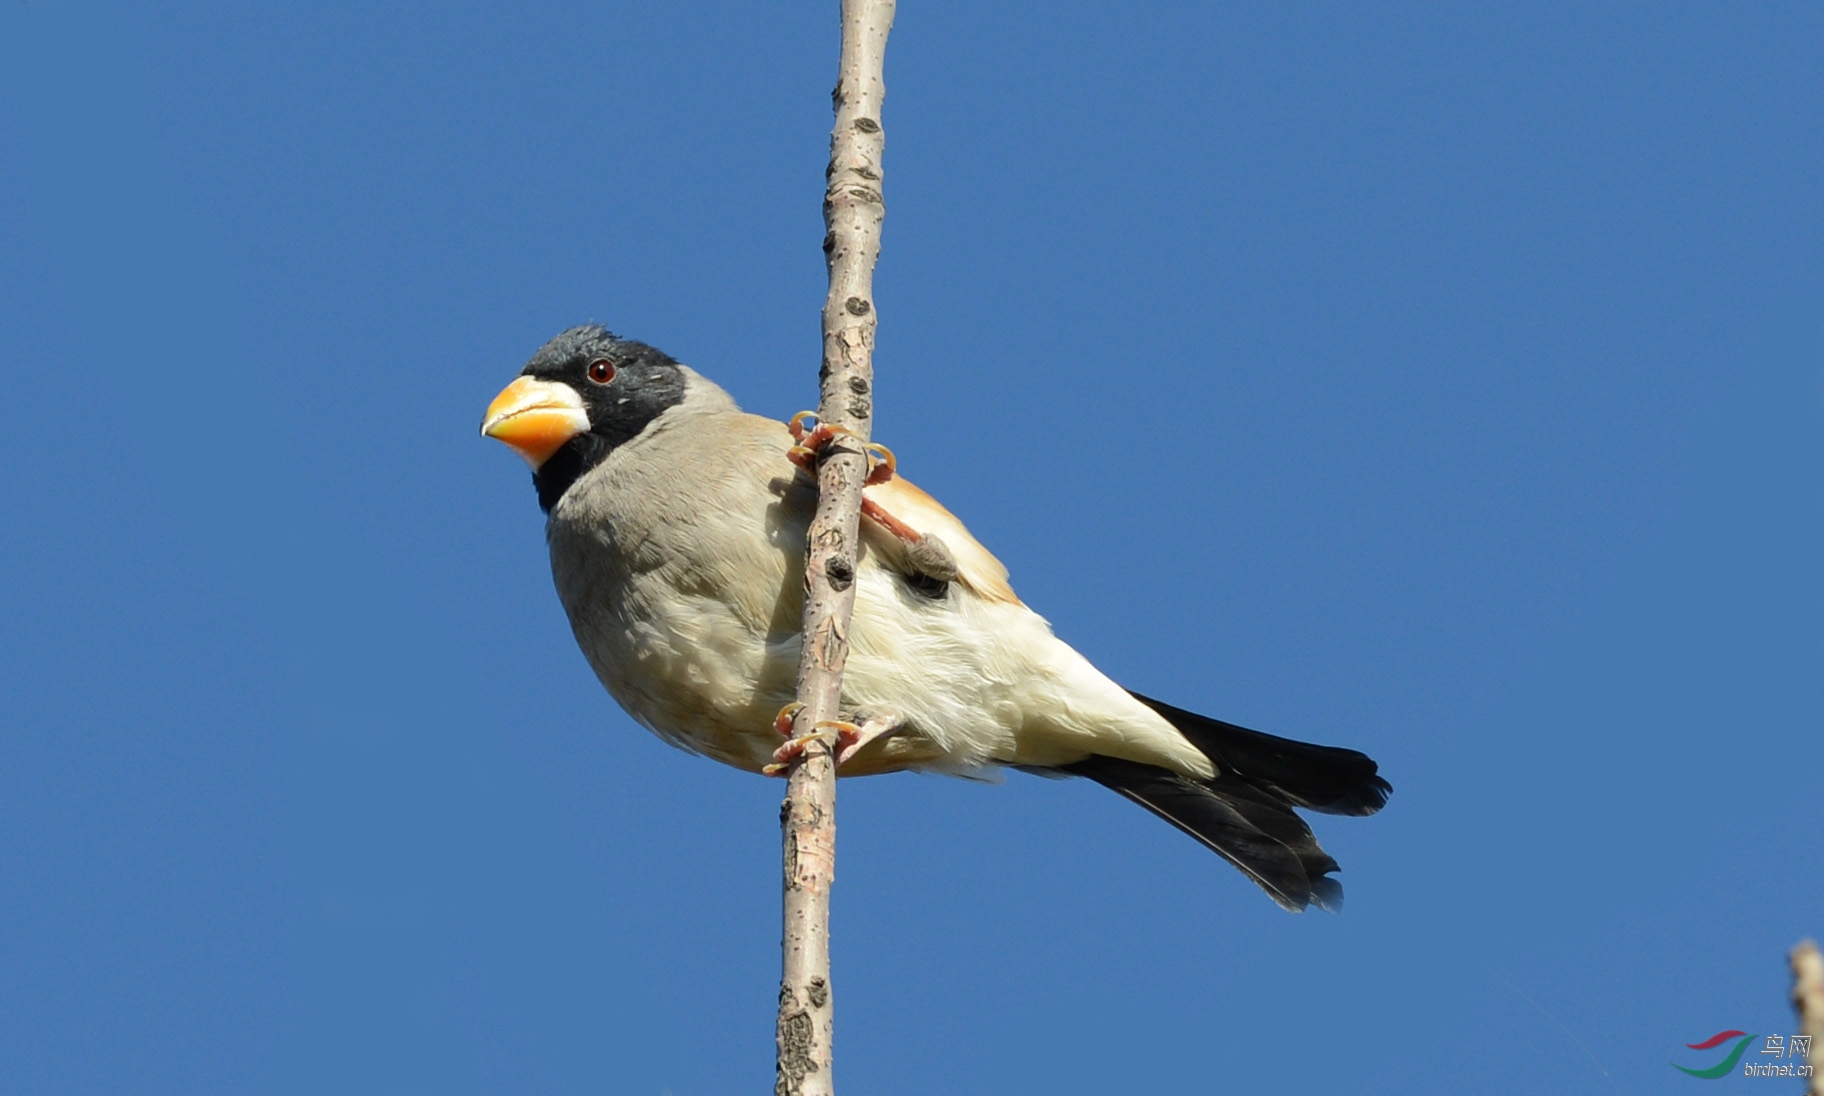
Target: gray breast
(679,562)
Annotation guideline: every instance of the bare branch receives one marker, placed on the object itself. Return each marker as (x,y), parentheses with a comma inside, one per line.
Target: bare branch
(852,211)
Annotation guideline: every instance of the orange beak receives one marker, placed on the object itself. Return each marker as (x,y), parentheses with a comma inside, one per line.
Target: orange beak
(535,418)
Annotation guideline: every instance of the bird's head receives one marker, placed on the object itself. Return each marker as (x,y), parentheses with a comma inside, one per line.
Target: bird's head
(584,393)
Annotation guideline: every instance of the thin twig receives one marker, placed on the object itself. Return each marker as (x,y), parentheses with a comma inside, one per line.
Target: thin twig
(852,211)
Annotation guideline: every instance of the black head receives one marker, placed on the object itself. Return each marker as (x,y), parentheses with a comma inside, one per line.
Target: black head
(623,384)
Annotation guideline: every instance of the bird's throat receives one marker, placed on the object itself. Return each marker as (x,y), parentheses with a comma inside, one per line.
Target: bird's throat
(569,464)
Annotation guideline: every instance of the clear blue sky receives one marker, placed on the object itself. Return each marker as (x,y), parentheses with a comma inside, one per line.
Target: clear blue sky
(1443,381)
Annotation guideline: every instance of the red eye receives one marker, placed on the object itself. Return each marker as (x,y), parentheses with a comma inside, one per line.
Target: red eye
(601,370)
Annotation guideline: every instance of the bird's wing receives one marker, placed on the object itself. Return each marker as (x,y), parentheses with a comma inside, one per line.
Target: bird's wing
(899,501)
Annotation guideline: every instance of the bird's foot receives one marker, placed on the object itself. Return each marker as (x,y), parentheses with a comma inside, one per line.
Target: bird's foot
(814,438)
(830,732)
(844,739)
(875,725)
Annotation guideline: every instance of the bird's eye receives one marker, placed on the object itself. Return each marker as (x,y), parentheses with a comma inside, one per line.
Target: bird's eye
(601,370)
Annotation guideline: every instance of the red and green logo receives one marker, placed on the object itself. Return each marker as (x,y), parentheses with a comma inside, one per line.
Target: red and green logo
(1742,1039)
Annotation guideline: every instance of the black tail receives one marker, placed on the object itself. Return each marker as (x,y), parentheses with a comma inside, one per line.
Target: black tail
(1244,813)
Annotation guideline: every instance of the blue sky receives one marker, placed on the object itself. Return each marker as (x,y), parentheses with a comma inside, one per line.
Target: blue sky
(1441,381)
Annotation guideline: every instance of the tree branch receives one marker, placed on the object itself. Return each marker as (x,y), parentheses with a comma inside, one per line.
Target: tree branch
(852,212)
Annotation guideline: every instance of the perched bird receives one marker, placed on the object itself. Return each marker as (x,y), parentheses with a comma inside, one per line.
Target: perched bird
(676,523)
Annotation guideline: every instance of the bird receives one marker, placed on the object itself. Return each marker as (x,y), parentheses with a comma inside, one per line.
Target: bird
(676,524)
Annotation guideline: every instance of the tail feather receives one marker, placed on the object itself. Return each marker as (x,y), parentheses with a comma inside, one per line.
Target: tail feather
(1244,814)
(1328,779)
(1269,843)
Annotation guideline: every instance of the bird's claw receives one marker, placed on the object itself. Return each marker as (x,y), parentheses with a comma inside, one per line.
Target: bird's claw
(882,464)
(843,738)
(833,733)
(796,425)
(782,722)
(812,440)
